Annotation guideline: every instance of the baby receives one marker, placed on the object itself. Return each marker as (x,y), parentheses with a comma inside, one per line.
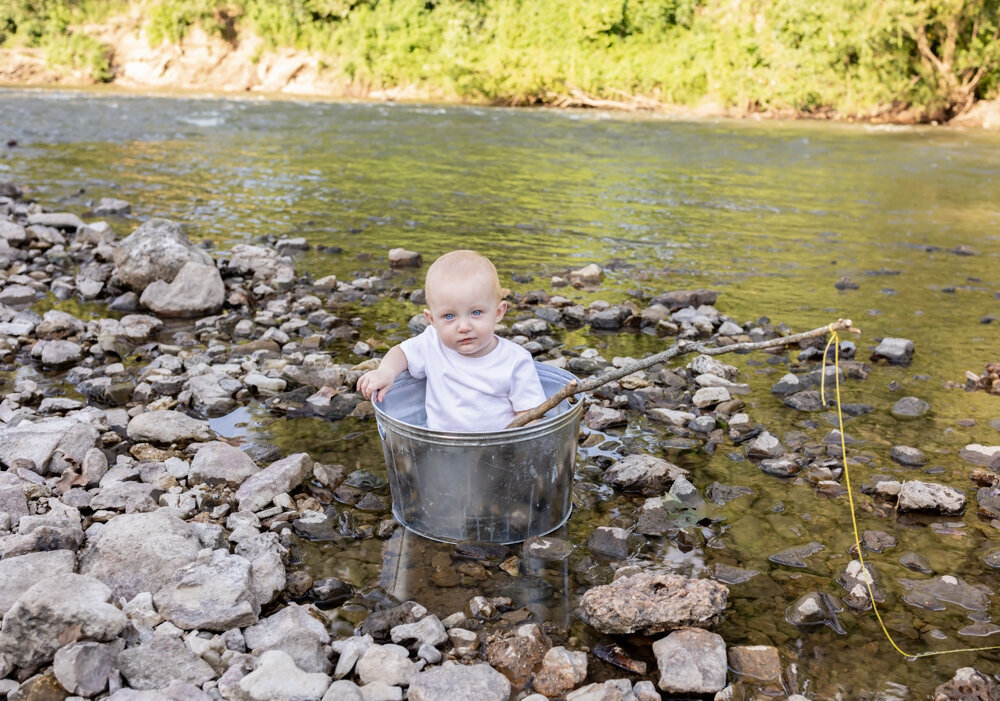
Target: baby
(476,381)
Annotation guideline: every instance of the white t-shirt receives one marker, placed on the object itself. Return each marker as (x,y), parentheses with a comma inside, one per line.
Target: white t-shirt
(472,394)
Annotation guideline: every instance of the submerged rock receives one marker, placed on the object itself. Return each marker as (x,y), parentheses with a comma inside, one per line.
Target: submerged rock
(895,351)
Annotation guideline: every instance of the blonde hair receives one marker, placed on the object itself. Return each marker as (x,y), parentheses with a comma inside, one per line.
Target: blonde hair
(462,266)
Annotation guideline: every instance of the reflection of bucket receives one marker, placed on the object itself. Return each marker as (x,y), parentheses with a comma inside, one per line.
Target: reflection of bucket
(498,487)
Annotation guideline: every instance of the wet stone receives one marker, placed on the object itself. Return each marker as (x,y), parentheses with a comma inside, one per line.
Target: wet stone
(812,608)
(691,661)
(490,554)
(808,401)
(946,589)
(609,542)
(765,446)
(779,467)
(910,407)
(611,652)
(916,562)
(877,541)
(755,662)
(895,351)
(546,548)
(905,455)
(796,557)
(722,494)
(728,574)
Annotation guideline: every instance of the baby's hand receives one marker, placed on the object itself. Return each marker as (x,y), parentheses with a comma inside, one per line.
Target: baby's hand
(375,382)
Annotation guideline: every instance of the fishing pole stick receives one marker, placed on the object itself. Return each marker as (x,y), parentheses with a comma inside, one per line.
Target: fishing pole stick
(679,348)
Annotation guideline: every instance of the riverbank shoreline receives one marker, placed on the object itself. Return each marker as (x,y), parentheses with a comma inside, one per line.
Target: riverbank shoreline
(206,65)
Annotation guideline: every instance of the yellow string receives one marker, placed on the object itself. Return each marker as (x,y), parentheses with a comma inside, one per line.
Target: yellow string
(835,342)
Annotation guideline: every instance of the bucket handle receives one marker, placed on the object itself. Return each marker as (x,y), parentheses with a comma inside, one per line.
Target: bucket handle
(381,431)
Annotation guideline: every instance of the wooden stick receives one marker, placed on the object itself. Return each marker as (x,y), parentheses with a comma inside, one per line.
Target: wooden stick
(679,348)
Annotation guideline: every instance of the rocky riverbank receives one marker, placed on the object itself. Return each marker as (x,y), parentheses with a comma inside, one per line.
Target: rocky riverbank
(145,557)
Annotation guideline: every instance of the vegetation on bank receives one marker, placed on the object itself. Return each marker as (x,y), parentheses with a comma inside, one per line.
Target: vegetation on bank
(845,57)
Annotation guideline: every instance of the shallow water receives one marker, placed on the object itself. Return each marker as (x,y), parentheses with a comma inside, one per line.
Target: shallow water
(771,214)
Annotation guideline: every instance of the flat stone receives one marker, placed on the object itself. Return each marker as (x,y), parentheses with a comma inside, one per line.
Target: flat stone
(643,473)
(910,407)
(277,677)
(453,681)
(906,455)
(166,427)
(895,351)
(691,661)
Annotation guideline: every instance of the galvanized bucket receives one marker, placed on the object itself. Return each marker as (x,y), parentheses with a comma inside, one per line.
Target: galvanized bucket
(497,487)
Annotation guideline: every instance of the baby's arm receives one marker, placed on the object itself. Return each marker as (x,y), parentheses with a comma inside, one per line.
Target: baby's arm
(378,381)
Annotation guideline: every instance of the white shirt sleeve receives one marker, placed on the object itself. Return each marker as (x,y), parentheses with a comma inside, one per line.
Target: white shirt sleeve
(417,349)
(525,387)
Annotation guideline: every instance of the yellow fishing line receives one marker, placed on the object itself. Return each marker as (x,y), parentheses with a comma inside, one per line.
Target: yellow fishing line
(835,342)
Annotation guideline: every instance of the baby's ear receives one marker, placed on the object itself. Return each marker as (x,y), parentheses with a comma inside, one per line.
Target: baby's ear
(501,310)
(427,315)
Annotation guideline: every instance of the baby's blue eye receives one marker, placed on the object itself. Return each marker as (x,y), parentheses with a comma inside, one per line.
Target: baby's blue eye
(449,317)
(477,313)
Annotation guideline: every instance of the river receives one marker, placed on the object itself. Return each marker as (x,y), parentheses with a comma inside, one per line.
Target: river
(770,214)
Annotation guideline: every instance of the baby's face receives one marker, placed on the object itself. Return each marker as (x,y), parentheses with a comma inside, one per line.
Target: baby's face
(465,314)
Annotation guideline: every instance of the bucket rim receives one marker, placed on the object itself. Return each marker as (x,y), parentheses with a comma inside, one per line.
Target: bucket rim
(544,425)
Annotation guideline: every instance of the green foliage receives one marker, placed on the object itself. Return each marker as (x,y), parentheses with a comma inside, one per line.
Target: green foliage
(49,24)
(851,56)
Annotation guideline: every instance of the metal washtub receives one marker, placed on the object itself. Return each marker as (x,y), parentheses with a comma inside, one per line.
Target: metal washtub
(497,487)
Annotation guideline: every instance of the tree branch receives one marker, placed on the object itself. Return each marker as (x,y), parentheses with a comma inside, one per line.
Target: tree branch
(679,348)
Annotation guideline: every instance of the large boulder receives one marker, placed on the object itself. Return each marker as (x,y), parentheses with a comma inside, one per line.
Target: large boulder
(212,593)
(51,444)
(652,603)
(157,250)
(18,574)
(166,427)
(196,290)
(66,604)
(220,463)
(140,552)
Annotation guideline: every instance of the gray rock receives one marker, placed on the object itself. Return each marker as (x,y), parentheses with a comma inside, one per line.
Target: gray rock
(643,473)
(812,609)
(905,455)
(710,396)
(296,633)
(350,651)
(126,496)
(55,530)
(15,295)
(691,661)
(985,455)
(277,478)
(343,690)
(37,624)
(277,677)
(56,220)
(58,324)
(796,557)
(649,603)
(18,574)
(601,417)
(51,444)
(895,351)
(452,681)
(83,668)
(546,548)
(212,593)
(787,385)
(612,318)
(161,660)
(561,671)
(427,631)
(765,446)
(267,569)
(220,463)
(707,365)
(808,400)
(110,206)
(166,427)
(670,416)
(910,407)
(157,250)
(925,496)
(140,552)
(609,542)
(212,393)
(934,593)
(57,354)
(388,663)
(264,264)
(196,290)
